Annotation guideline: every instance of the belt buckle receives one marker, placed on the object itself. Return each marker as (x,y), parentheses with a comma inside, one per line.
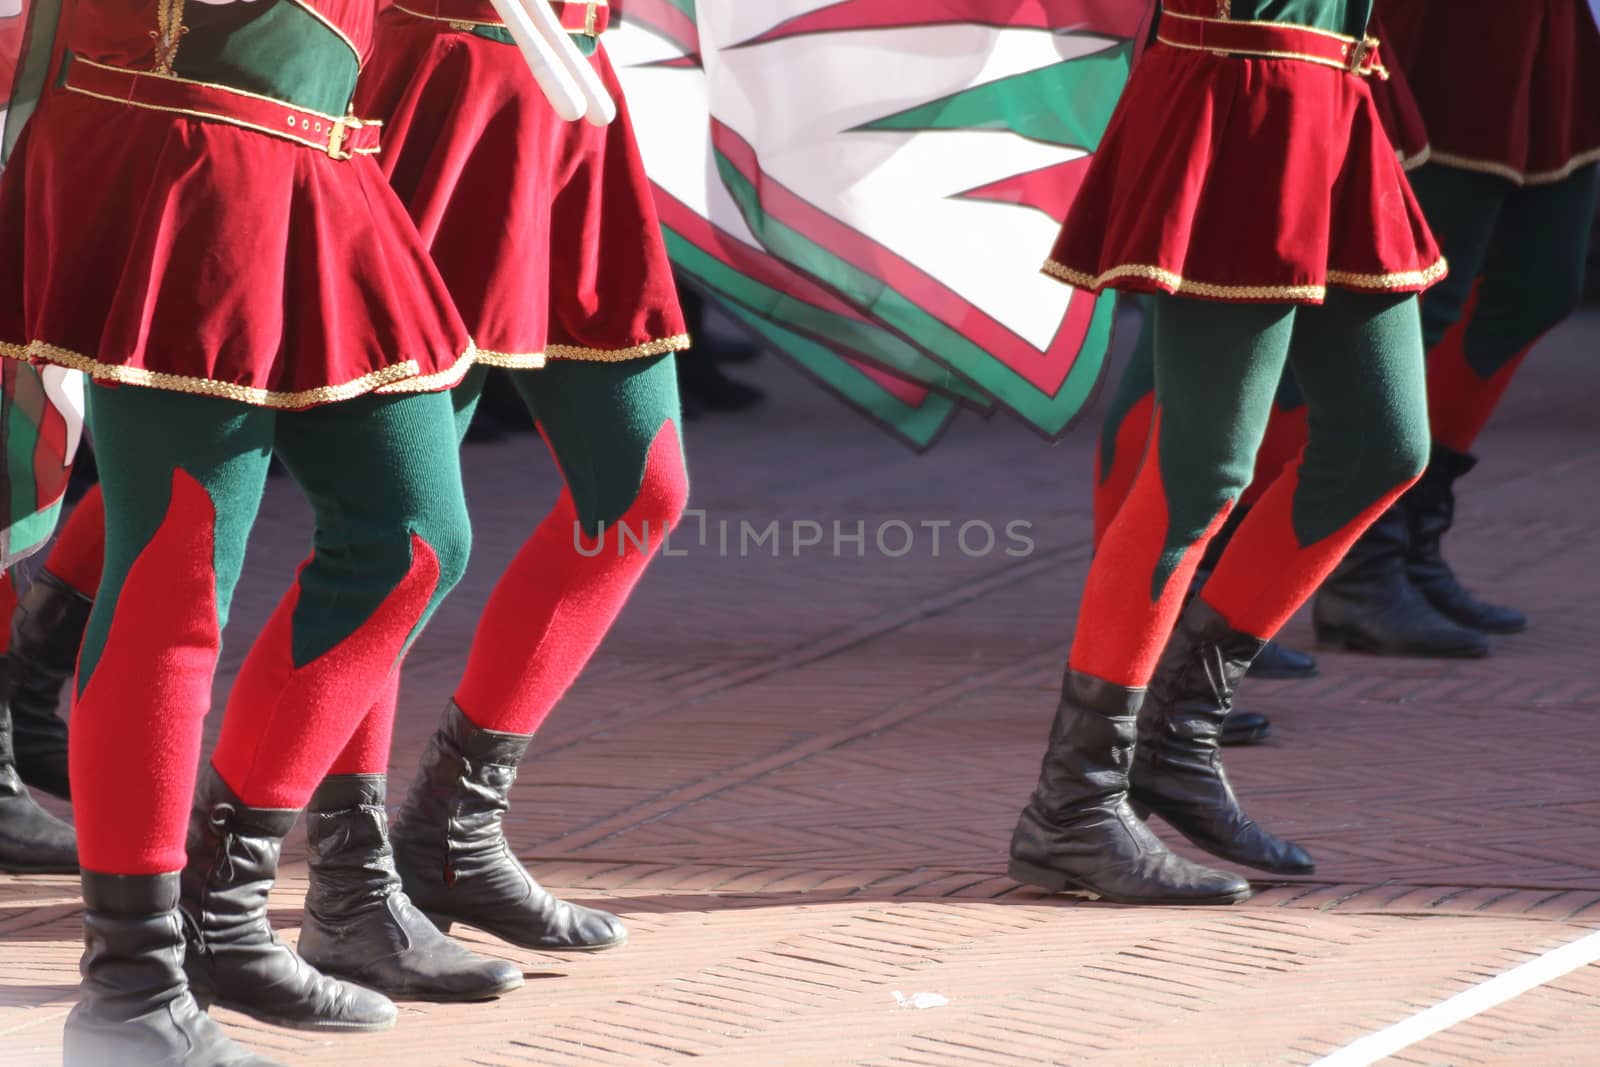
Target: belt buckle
(1363,59)
(591,17)
(339,134)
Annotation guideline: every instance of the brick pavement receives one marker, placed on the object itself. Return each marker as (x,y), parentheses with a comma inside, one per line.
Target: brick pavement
(795,777)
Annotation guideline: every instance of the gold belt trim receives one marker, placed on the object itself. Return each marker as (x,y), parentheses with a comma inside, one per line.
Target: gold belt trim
(339,137)
(1272,40)
(590,17)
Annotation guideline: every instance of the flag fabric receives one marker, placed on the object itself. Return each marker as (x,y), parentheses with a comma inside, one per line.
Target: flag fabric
(872,186)
(41,409)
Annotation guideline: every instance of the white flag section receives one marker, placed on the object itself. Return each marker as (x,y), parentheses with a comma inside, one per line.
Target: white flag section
(874,184)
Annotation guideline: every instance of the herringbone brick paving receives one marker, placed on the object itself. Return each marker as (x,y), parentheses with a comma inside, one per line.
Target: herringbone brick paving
(795,775)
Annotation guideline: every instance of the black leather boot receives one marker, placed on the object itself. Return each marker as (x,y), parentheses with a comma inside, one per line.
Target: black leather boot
(136,1008)
(1430,508)
(46,630)
(1368,603)
(359,923)
(234,959)
(1177,767)
(1283,663)
(1078,832)
(32,841)
(1245,728)
(450,847)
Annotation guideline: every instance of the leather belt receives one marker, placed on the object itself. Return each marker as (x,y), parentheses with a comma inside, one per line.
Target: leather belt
(339,137)
(1272,40)
(578,16)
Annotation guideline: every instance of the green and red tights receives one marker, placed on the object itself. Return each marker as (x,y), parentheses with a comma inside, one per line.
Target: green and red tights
(613,429)
(1517,259)
(182,478)
(1358,361)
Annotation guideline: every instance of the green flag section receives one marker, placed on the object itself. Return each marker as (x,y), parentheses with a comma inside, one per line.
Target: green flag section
(873,185)
(816,335)
(1066,104)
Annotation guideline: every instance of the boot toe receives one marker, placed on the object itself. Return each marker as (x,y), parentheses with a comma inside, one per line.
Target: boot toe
(448,977)
(352,1007)
(592,929)
(1222,886)
(1502,620)
(1492,618)
(1280,662)
(32,841)
(1293,859)
(1254,847)
(1181,881)
(1244,728)
(1413,628)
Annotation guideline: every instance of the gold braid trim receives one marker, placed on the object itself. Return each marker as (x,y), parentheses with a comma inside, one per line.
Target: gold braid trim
(617,355)
(1511,174)
(1179,285)
(439,380)
(512,360)
(262,398)
(1342,38)
(460,25)
(168,34)
(1405,279)
(1410,163)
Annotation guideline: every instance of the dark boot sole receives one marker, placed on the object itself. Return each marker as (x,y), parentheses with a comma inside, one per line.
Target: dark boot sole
(1350,641)
(1144,811)
(1279,674)
(207,1002)
(1253,736)
(1059,882)
(1500,631)
(444,924)
(1509,630)
(423,995)
(22,868)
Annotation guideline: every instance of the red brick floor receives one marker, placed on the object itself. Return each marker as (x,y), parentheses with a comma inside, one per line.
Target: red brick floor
(795,777)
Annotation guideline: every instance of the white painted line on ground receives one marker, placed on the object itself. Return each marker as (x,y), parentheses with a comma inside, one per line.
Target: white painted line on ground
(1464,1005)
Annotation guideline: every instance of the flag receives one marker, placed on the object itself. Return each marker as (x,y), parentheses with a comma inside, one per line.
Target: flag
(41,409)
(872,185)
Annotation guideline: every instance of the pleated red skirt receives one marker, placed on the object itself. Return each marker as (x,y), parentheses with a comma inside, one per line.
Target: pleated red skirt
(1245,179)
(1399,113)
(545,231)
(151,249)
(1510,89)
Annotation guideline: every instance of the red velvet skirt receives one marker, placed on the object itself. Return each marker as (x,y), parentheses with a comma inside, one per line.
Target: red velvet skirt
(191,255)
(1245,179)
(1507,88)
(545,231)
(1397,109)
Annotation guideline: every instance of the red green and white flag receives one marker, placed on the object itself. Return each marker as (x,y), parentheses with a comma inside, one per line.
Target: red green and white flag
(41,409)
(872,185)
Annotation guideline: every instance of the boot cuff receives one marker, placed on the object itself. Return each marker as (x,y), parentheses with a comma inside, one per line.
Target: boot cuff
(479,745)
(1101,697)
(214,800)
(340,792)
(1203,624)
(129,894)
